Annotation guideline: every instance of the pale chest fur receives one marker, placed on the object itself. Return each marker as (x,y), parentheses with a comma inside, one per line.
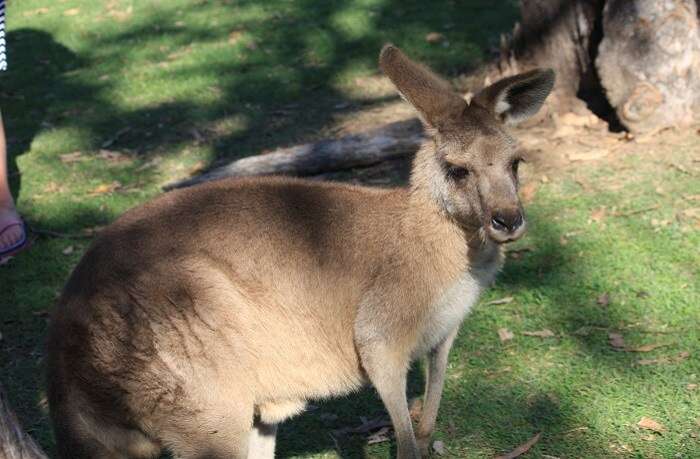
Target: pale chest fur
(449,309)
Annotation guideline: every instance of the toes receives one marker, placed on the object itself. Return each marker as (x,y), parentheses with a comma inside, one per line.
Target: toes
(11,237)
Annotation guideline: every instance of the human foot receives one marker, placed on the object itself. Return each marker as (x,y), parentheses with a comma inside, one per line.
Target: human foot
(12,232)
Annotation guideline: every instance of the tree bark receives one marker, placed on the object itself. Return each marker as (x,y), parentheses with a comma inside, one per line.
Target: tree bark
(649,62)
(557,34)
(14,442)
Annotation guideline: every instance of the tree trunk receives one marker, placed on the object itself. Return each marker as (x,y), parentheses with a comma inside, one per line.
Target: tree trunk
(389,142)
(649,62)
(14,442)
(558,34)
(637,58)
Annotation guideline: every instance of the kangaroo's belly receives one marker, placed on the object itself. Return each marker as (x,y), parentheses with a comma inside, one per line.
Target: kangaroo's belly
(285,339)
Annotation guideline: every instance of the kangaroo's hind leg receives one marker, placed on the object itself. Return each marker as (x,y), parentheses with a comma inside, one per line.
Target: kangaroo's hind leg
(261,444)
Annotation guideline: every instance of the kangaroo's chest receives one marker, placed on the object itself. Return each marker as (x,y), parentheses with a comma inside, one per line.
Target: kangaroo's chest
(446,313)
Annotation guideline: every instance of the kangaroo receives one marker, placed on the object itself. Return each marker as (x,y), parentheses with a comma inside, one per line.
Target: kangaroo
(199,321)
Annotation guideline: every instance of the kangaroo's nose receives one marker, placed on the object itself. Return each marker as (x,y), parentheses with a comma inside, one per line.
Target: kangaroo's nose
(507,221)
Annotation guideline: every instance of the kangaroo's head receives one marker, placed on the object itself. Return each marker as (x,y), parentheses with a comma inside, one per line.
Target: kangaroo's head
(472,170)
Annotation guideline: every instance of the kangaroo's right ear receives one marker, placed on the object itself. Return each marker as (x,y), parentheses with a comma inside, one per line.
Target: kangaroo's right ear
(516,98)
(431,96)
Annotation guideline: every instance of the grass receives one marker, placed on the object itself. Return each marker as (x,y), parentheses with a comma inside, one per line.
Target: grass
(179,85)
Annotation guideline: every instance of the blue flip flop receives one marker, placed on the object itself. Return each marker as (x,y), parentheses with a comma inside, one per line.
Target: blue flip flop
(17,246)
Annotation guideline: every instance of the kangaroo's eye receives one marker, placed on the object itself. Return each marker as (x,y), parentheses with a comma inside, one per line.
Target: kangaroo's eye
(456,172)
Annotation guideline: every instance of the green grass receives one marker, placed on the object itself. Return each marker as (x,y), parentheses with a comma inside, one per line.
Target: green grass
(138,77)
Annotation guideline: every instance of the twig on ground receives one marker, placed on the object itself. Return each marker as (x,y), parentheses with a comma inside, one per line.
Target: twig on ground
(522,449)
(59,235)
(636,211)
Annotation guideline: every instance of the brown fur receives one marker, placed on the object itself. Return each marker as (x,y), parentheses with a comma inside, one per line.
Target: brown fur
(200,320)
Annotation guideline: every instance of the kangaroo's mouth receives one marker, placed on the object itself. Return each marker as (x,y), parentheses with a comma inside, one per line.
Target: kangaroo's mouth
(502,235)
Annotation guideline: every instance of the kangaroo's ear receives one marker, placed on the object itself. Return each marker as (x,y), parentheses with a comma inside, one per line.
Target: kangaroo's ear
(431,96)
(517,98)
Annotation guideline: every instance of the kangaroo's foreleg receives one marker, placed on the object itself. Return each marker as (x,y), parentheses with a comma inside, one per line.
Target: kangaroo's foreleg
(387,370)
(435,381)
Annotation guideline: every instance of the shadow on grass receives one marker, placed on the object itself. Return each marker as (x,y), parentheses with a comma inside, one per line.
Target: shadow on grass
(284,60)
(29,90)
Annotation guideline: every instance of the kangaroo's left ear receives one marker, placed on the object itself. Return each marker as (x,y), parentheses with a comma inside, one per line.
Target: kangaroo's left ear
(517,98)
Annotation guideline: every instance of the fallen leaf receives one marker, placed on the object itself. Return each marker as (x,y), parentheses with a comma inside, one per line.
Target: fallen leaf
(628,213)
(616,341)
(598,215)
(528,192)
(603,299)
(72,157)
(367,426)
(650,424)
(115,137)
(68,250)
(575,430)
(197,168)
(105,188)
(665,359)
(113,156)
(121,15)
(439,448)
(505,300)
(434,38)
(505,335)
(381,436)
(53,187)
(94,230)
(590,155)
(649,437)
(646,347)
(546,333)
(234,37)
(72,12)
(37,11)
(691,386)
(517,254)
(693,212)
(522,449)
(500,371)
